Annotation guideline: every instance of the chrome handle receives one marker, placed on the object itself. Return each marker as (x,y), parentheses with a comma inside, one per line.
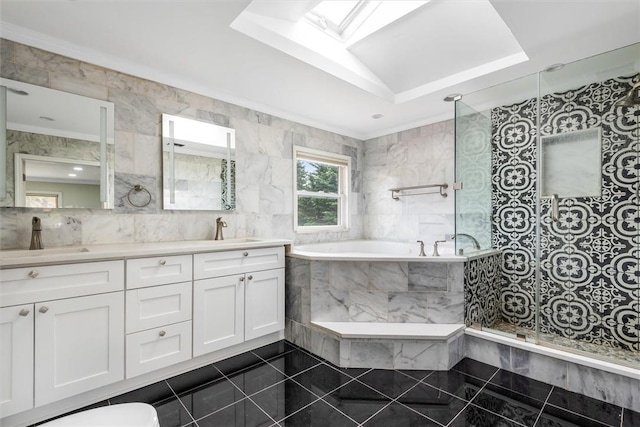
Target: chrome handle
(33,274)
(24,312)
(555,213)
(43,309)
(163,261)
(162,333)
(245,254)
(242,279)
(250,277)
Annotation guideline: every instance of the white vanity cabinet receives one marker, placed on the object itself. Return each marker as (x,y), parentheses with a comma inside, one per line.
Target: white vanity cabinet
(238,296)
(76,326)
(62,332)
(158,313)
(16,359)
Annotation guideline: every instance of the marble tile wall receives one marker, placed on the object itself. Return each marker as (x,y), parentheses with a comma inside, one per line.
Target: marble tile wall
(420,156)
(264,161)
(362,291)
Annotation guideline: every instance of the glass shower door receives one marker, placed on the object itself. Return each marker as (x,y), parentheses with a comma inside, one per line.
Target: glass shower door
(588,184)
(473,208)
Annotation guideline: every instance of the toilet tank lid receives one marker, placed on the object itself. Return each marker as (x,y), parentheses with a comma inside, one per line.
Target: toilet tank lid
(120,415)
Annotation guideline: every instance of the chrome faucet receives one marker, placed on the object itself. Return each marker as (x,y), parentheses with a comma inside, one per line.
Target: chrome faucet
(421,248)
(474,242)
(36,234)
(219,224)
(435,247)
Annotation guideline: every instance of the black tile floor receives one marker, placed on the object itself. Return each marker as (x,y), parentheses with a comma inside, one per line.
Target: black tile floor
(283,385)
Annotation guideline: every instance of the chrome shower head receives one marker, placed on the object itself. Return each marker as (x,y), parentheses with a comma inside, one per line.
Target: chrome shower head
(632,99)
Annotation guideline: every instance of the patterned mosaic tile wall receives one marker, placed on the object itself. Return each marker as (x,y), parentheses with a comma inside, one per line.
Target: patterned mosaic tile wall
(590,269)
(482,282)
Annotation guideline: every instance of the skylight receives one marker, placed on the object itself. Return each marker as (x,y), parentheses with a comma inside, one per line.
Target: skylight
(334,17)
(336,12)
(351,20)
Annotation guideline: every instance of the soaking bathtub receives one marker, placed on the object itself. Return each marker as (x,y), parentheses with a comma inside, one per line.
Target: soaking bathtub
(378,250)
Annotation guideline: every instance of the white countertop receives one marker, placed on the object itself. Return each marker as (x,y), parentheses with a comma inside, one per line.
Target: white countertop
(68,254)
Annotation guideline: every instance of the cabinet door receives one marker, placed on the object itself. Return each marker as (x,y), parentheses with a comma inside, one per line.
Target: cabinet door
(79,345)
(264,303)
(218,313)
(16,359)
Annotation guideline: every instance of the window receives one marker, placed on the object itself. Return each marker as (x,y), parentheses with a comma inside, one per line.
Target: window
(321,190)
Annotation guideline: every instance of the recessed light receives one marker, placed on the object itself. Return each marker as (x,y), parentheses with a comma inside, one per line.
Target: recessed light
(72,174)
(377,116)
(554,67)
(453,97)
(48,119)
(77,168)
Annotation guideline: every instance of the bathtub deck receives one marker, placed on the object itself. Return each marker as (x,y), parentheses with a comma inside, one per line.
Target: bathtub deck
(405,331)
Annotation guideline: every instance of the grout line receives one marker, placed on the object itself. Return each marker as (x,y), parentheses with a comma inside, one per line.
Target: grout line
(260,407)
(181,403)
(544,405)
(295,412)
(338,410)
(376,413)
(478,394)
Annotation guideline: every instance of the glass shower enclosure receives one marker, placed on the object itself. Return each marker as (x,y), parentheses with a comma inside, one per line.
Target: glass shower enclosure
(562,183)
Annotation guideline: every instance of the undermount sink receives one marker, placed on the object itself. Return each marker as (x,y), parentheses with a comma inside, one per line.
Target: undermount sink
(42,252)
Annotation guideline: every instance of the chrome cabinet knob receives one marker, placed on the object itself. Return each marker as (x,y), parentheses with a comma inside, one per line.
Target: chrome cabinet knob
(24,312)
(242,279)
(43,309)
(163,261)
(33,274)
(250,277)
(162,333)
(245,254)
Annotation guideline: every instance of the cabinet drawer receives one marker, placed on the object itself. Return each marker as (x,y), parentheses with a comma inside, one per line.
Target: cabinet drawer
(215,264)
(158,305)
(142,272)
(157,348)
(32,284)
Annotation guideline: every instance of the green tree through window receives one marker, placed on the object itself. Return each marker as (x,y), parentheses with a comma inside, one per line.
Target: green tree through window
(319,186)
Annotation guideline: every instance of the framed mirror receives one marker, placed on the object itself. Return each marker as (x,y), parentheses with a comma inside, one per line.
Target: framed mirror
(198,165)
(56,148)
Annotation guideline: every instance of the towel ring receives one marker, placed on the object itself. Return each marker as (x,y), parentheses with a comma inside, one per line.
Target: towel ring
(138,188)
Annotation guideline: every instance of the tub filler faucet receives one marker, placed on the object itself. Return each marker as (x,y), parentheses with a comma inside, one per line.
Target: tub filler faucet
(474,242)
(36,234)
(219,225)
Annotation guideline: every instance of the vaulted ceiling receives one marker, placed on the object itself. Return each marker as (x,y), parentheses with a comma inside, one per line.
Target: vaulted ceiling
(263,54)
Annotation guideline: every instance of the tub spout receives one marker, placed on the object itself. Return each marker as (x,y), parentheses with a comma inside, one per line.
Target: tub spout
(36,234)
(474,242)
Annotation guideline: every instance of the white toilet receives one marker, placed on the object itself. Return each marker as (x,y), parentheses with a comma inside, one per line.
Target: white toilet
(122,415)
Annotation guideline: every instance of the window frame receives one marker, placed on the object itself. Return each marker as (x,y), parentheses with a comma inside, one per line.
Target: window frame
(344,188)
